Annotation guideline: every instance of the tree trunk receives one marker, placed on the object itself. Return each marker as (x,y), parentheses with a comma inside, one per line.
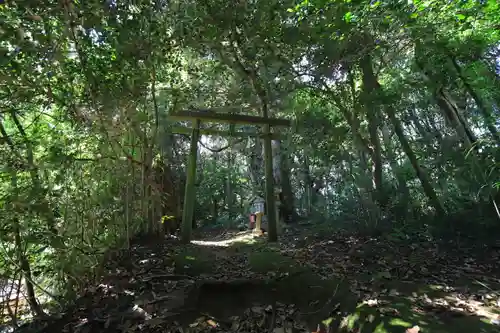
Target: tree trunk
(276,147)
(402,187)
(371,86)
(229,179)
(452,114)
(24,264)
(256,165)
(365,184)
(190,191)
(398,129)
(361,146)
(489,121)
(418,125)
(272,233)
(288,198)
(448,107)
(26,269)
(282,177)
(422,176)
(308,186)
(214,210)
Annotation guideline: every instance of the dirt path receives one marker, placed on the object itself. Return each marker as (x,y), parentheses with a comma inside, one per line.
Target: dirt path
(233,282)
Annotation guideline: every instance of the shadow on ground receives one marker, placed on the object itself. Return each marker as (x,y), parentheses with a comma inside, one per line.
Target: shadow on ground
(234,282)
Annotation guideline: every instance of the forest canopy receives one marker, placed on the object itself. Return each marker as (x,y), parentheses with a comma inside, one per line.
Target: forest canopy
(394,106)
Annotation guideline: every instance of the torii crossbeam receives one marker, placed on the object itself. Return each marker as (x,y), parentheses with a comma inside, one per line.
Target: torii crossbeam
(209,115)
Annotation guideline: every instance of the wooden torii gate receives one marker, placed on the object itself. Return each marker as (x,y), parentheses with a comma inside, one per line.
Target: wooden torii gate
(211,116)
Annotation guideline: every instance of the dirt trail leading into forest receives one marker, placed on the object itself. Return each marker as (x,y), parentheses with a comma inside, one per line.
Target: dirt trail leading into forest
(232,282)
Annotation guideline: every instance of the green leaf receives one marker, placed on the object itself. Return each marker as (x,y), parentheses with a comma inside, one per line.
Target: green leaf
(461,17)
(348,17)
(492,5)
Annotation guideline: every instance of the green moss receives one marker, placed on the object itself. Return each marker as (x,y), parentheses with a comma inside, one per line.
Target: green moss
(266,261)
(194,262)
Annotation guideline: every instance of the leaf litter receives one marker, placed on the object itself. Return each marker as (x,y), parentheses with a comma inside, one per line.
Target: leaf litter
(146,289)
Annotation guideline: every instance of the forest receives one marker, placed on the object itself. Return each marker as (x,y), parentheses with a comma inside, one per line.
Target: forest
(277,166)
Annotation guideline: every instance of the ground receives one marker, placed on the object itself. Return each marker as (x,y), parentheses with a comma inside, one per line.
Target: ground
(313,281)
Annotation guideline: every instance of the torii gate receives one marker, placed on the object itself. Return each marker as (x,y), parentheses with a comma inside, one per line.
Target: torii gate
(210,115)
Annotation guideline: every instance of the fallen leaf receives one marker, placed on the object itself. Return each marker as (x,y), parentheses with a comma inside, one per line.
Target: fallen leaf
(212,323)
(197,322)
(414,329)
(371,302)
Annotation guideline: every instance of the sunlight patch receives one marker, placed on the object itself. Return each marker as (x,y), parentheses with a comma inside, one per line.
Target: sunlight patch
(380,328)
(246,238)
(106,287)
(399,322)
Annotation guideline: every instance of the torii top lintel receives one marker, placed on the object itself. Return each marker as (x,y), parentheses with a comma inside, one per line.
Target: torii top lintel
(210,115)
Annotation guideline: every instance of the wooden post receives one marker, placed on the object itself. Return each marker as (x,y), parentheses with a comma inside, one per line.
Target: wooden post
(229,185)
(279,222)
(258,222)
(270,203)
(190,194)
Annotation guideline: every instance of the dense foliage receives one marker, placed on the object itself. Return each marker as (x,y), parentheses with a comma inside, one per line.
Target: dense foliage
(395,104)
